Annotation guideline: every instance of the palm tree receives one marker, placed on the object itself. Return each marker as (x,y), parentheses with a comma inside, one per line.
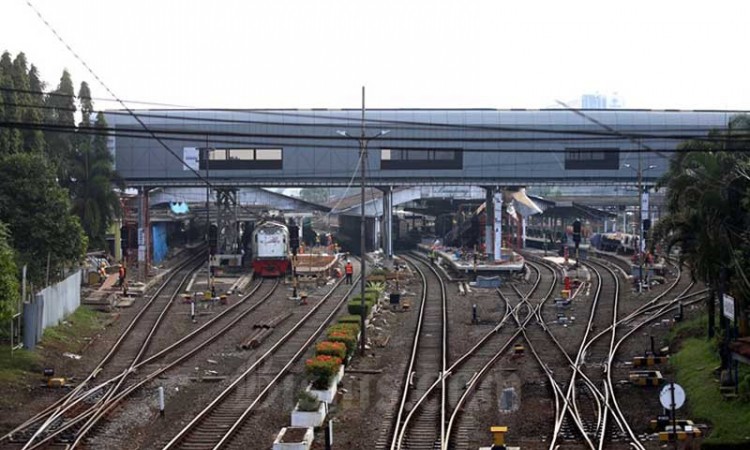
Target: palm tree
(705,217)
(93,185)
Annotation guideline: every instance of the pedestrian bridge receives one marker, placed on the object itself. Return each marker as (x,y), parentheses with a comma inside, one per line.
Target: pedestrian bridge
(480,147)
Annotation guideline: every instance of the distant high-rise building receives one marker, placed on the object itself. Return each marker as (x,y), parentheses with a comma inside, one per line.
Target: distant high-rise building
(593,101)
(599,101)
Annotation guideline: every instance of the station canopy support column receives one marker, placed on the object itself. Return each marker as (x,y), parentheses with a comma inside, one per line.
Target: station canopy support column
(493,207)
(387,228)
(497,210)
(226,221)
(144,235)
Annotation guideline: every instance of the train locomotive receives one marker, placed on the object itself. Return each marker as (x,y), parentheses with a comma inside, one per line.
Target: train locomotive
(270,242)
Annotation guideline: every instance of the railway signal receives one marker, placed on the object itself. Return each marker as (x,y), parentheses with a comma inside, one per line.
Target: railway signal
(672,397)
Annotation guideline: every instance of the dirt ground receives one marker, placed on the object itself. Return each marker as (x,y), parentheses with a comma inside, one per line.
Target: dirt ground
(369,394)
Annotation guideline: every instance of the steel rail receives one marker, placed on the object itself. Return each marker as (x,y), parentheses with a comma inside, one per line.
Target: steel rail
(410,367)
(204,413)
(400,429)
(469,389)
(102,407)
(614,409)
(463,359)
(48,414)
(129,390)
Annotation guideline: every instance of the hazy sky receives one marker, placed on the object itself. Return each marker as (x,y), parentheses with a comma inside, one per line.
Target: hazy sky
(302,54)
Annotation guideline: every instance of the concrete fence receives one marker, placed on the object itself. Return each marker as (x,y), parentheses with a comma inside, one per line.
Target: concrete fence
(49,306)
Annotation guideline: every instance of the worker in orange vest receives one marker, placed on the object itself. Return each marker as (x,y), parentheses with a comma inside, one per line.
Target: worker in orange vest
(349,270)
(121,273)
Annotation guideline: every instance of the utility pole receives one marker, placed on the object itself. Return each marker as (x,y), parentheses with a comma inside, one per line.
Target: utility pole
(363,141)
(208,219)
(641,246)
(640,224)
(363,228)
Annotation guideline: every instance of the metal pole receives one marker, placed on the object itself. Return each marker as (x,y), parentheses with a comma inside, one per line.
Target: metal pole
(640,223)
(674,416)
(208,218)
(362,241)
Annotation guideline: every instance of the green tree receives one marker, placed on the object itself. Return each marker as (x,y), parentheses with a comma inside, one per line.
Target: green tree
(93,178)
(30,103)
(8,276)
(10,138)
(37,211)
(60,112)
(704,189)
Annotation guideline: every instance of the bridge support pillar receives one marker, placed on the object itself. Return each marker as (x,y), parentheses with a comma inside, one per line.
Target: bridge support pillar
(226,221)
(387,228)
(497,210)
(493,207)
(144,233)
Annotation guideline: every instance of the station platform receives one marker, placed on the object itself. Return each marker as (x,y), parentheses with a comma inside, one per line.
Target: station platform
(512,262)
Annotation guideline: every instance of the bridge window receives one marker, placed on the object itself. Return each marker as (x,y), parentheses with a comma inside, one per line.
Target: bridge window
(592,158)
(420,158)
(241,158)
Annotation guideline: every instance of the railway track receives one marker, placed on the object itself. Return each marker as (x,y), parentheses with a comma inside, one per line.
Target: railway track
(498,346)
(603,354)
(465,410)
(220,423)
(122,353)
(478,360)
(71,431)
(420,419)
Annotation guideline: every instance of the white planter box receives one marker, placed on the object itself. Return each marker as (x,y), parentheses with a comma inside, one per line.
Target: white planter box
(305,444)
(309,419)
(325,395)
(339,376)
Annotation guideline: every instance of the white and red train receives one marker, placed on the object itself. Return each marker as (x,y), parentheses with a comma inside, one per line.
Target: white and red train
(271,254)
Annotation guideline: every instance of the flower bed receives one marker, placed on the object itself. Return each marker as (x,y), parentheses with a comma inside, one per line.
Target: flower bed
(348,338)
(322,369)
(331,348)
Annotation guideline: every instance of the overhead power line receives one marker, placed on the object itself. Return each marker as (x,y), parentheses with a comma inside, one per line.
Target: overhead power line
(397,124)
(395,142)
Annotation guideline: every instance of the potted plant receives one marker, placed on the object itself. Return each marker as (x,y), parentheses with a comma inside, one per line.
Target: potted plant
(323,370)
(309,411)
(332,348)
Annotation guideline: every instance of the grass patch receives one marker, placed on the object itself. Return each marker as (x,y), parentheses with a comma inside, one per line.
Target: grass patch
(695,327)
(694,365)
(15,366)
(69,334)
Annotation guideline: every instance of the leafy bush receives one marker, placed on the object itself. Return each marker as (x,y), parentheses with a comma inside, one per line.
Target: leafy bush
(375,286)
(345,333)
(744,389)
(378,271)
(331,348)
(322,369)
(349,327)
(307,401)
(346,338)
(370,298)
(355,307)
(352,318)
